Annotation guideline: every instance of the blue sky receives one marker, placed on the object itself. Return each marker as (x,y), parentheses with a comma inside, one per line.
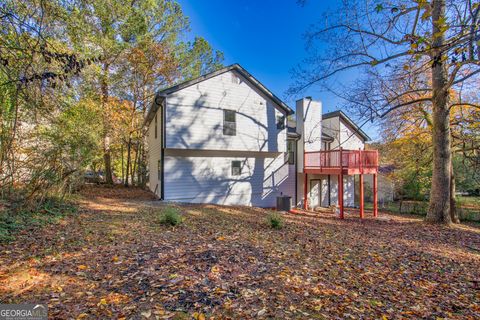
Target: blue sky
(265,37)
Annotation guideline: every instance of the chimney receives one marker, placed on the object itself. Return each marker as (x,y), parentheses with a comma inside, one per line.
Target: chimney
(309,126)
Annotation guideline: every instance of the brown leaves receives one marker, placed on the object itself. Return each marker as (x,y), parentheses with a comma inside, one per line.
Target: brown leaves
(225,263)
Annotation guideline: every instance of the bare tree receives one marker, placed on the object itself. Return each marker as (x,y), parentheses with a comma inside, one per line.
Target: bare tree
(410,52)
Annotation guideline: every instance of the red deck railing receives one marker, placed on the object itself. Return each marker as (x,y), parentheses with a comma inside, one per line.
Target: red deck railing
(350,160)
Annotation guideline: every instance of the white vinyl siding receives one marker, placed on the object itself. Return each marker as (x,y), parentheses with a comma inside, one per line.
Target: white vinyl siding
(199,155)
(348,189)
(203,177)
(195,117)
(351,140)
(154,154)
(342,134)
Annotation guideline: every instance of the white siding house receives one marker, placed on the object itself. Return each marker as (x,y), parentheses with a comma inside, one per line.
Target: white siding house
(336,130)
(223,138)
(154,139)
(225,142)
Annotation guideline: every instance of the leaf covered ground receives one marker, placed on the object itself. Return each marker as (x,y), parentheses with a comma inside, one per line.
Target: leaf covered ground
(113,259)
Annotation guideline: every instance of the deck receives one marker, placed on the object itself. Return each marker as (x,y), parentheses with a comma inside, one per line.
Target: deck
(352,162)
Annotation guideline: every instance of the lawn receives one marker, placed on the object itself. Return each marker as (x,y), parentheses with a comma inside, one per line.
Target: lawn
(468,207)
(113,259)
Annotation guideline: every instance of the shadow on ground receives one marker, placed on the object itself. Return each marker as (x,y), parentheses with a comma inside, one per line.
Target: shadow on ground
(114,260)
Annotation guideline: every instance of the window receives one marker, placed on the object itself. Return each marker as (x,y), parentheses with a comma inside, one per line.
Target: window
(236,168)
(159,170)
(291,151)
(229,123)
(156,122)
(281,122)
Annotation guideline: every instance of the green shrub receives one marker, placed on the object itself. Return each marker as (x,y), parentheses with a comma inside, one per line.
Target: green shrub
(8,226)
(275,221)
(50,211)
(170,217)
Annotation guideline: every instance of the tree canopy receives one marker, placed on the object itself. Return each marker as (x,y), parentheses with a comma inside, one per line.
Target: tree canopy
(76,78)
(409,53)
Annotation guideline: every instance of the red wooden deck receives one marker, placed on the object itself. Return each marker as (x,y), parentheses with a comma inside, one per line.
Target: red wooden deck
(343,162)
(353,162)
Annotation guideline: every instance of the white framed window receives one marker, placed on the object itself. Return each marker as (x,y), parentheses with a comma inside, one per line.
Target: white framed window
(229,123)
(280,122)
(325,145)
(236,168)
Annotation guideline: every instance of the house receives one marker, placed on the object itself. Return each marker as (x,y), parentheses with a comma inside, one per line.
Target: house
(224,138)
(386,185)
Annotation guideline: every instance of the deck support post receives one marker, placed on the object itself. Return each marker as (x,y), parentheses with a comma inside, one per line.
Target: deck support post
(375,195)
(305,191)
(362,213)
(340,185)
(360,166)
(340,194)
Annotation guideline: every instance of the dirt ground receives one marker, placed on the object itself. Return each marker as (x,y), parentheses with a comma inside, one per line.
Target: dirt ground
(113,260)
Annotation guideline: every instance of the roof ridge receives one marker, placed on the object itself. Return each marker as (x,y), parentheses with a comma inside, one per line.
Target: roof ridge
(234,66)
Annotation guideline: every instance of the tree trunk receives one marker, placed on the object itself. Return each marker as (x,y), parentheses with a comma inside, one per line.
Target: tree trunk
(139,164)
(453,201)
(143,162)
(121,151)
(107,158)
(439,206)
(134,166)
(129,148)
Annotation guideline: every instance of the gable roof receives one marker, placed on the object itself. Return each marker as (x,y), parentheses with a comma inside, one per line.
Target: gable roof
(349,121)
(257,84)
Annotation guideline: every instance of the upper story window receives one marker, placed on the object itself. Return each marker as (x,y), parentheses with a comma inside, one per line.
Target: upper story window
(229,123)
(291,147)
(325,145)
(236,168)
(235,78)
(156,125)
(280,122)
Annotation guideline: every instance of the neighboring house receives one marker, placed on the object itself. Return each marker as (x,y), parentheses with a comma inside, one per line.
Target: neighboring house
(223,138)
(386,186)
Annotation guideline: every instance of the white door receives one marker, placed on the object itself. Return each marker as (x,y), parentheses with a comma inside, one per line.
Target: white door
(315,193)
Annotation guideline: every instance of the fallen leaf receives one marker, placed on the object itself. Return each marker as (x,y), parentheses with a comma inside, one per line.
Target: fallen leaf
(147,314)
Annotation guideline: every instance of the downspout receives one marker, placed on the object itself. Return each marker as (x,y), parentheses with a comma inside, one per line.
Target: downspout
(296,173)
(164,131)
(163,105)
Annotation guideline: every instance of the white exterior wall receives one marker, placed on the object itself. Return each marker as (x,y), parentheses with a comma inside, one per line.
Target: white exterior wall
(349,139)
(198,156)
(154,154)
(348,187)
(343,136)
(205,177)
(331,126)
(194,117)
